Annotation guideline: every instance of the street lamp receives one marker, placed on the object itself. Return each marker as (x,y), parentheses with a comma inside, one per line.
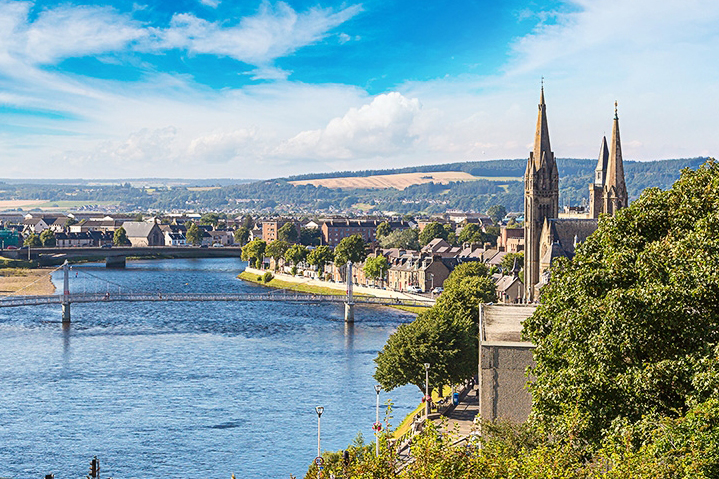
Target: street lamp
(319,410)
(377,425)
(426,390)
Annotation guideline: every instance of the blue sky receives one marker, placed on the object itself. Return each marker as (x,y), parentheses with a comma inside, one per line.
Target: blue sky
(219,88)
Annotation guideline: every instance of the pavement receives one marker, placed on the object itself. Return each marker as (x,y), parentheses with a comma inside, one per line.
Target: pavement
(463,415)
(377,292)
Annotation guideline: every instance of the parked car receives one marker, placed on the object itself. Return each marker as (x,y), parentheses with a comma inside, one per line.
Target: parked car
(414,289)
(11,247)
(217,245)
(437,290)
(106,246)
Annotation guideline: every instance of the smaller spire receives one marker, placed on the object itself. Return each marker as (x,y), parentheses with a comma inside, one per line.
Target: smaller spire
(541,97)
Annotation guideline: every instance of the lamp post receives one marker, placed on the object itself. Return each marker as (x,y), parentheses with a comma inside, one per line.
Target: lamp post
(319,410)
(377,389)
(426,390)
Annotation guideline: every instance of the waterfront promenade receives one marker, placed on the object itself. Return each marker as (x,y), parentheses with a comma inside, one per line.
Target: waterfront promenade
(377,292)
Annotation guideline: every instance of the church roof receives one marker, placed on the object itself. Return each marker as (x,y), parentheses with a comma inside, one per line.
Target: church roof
(566,232)
(542,148)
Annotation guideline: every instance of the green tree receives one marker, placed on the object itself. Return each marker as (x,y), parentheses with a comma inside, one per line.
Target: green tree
(310,236)
(465,270)
(497,212)
(321,256)
(383,229)
(254,251)
(437,337)
(193,235)
(376,267)
(211,219)
(431,231)
(32,241)
(47,238)
(403,239)
(119,238)
(351,248)
(276,250)
(70,221)
(248,222)
(623,329)
(462,297)
(288,232)
(508,261)
(296,254)
(241,235)
(471,233)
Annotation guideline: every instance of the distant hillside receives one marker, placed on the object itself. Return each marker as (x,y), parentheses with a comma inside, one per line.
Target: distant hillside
(501,184)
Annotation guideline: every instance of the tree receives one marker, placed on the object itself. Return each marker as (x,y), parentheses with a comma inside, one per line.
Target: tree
(497,212)
(431,231)
(32,241)
(70,221)
(241,235)
(193,235)
(276,250)
(296,254)
(462,297)
(465,270)
(119,238)
(351,248)
(628,328)
(320,256)
(254,251)
(47,238)
(376,267)
(437,337)
(402,239)
(248,222)
(288,232)
(383,229)
(471,233)
(210,219)
(310,236)
(508,261)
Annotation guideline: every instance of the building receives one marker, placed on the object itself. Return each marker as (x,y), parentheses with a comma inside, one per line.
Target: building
(510,240)
(608,193)
(335,230)
(271,227)
(141,233)
(547,236)
(541,197)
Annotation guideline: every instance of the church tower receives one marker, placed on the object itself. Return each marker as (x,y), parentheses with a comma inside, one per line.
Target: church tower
(541,198)
(615,190)
(596,189)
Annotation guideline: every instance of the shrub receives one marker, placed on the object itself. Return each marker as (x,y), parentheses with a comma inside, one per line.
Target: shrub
(267,277)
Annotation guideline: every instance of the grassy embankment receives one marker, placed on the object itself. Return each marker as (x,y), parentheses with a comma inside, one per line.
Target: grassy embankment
(407,421)
(306,288)
(25,281)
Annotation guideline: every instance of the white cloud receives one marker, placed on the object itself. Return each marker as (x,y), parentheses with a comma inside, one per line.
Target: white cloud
(275,31)
(383,127)
(210,3)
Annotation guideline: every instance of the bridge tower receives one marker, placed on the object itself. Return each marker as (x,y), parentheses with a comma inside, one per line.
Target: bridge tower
(66,292)
(349,304)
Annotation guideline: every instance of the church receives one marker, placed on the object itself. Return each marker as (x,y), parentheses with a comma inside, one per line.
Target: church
(547,236)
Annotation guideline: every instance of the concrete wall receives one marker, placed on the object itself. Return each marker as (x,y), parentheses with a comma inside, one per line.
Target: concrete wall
(503,381)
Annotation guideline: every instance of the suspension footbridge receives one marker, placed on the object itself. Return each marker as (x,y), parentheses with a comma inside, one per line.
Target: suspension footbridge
(122,294)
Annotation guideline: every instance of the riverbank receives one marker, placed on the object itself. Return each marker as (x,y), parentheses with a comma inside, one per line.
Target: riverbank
(25,281)
(315,286)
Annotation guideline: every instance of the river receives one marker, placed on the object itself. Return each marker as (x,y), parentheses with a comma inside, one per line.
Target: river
(190,390)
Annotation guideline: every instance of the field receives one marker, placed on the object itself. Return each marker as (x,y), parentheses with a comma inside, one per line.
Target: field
(399,181)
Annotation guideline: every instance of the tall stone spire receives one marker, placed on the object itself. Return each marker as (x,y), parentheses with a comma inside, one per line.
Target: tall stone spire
(541,197)
(615,190)
(542,149)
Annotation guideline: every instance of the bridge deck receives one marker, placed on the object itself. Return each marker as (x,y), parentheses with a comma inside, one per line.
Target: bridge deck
(12,301)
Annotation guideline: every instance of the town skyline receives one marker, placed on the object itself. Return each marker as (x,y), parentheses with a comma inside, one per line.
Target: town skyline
(206,89)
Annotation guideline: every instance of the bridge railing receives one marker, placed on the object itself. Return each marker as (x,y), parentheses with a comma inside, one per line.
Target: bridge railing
(159,296)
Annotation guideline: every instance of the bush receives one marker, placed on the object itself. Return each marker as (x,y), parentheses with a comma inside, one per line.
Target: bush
(293,271)
(267,277)
(259,278)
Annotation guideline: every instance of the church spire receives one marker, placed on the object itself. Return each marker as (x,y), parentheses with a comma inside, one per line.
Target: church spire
(542,149)
(615,190)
